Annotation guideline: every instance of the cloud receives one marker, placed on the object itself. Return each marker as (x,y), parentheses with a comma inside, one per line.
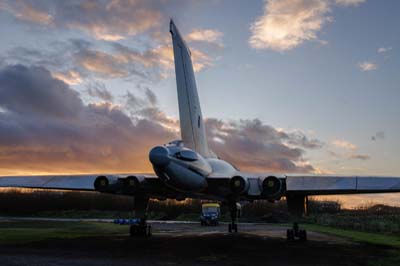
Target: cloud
(210,36)
(349,2)
(160,58)
(362,157)
(109,21)
(101,63)
(383,50)
(70,77)
(350,151)
(25,11)
(46,128)
(99,90)
(299,139)
(380,135)
(254,146)
(344,144)
(22,91)
(205,35)
(286,24)
(76,60)
(148,57)
(367,66)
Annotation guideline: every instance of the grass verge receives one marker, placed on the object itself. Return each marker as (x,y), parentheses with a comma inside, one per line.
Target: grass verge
(363,237)
(31,231)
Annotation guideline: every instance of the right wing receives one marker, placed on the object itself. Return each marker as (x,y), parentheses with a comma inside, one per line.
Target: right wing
(335,185)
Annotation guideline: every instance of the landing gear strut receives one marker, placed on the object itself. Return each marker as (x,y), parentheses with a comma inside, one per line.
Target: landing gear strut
(295,232)
(234,215)
(297,206)
(141,228)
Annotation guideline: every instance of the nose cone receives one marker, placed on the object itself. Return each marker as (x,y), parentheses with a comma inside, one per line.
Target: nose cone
(159,156)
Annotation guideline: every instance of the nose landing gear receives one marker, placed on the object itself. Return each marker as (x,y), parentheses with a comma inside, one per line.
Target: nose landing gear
(235,213)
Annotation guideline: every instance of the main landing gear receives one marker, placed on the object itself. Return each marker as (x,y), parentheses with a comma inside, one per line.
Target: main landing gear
(233,209)
(297,206)
(140,228)
(295,232)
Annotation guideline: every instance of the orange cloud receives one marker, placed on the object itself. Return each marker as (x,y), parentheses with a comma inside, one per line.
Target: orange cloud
(70,77)
(344,144)
(106,21)
(46,128)
(286,24)
(27,12)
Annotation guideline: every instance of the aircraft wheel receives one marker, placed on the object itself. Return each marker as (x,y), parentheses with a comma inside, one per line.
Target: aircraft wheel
(290,234)
(235,228)
(136,230)
(148,231)
(133,230)
(303,235)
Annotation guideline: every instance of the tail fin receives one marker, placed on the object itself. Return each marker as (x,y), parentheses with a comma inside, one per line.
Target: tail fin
(191,120)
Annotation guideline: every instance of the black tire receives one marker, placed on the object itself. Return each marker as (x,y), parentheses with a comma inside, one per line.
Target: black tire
(132,230)
(148,231)
(289,234)
(303,235)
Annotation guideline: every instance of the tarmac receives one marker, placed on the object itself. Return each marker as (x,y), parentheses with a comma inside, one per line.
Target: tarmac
(188,243)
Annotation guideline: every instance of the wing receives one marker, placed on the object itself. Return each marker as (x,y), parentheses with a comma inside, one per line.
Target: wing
(62,182)
(126,184)
(272,186)
(329,185)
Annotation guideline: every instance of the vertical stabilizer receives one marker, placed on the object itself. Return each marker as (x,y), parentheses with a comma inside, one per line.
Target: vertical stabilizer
(191,120)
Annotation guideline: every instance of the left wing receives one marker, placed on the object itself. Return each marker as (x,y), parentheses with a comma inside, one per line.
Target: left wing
(128,184)
(62,182)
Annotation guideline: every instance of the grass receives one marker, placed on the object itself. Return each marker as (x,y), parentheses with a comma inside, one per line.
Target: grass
(22,232)
(362,237)
(31,231)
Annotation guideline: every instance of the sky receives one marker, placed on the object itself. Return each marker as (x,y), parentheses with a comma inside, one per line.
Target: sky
(290,86)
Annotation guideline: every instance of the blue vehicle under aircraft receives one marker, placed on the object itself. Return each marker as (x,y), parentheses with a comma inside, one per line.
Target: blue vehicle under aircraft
(210,214)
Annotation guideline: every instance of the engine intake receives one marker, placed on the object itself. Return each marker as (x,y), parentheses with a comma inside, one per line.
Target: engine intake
(239,185)
(131,184)
(272,187)
(101,183)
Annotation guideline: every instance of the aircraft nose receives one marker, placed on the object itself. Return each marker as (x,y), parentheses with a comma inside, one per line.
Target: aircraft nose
(159,156)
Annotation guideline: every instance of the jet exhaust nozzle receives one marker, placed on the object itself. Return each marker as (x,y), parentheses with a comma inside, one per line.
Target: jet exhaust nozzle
(101,183)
